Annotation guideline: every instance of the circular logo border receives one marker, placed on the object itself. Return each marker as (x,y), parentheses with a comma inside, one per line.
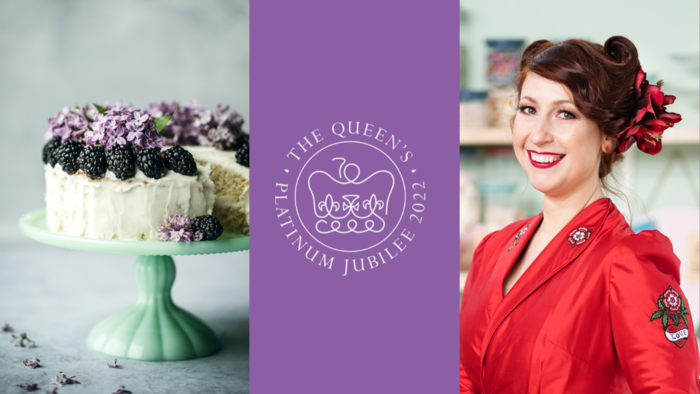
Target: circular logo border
(403,182)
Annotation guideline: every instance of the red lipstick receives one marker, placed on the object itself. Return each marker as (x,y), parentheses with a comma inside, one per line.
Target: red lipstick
(544,165)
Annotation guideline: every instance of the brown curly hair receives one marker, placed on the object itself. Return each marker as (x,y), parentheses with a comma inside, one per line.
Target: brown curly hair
(600,77)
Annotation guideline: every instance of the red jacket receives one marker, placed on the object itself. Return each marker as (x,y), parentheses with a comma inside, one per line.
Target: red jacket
(599,311)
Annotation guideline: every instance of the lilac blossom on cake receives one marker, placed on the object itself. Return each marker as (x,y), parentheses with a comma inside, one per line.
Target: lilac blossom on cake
(118,125)
(124,126)
(193,125)
(178,228)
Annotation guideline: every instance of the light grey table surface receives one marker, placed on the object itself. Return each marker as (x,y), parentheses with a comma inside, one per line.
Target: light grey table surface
(57,295)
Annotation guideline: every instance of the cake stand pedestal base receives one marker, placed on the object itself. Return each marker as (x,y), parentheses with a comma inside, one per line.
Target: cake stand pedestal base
(154,328)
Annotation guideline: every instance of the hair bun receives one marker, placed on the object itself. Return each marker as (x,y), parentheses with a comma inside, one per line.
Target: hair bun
(622,51)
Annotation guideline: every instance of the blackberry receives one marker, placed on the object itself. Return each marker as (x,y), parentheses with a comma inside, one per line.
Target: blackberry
(209,226)
(93,162)
(179,160)
(241,138)
(243,154)
(121,161)
(48,148)
(151,163)
(67,156)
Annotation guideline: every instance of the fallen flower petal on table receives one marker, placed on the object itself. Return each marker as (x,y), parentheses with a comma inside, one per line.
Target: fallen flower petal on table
(61,381)
(28,386)
(114,365)
(32,362)
(121,391)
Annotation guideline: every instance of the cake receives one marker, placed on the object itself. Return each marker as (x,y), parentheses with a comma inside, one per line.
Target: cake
(132,209)
(108,178)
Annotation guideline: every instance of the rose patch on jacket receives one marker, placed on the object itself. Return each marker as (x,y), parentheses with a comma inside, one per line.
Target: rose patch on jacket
(671,310)
(579,236)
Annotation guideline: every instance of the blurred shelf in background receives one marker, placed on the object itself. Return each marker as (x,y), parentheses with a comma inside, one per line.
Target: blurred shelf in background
(500,137)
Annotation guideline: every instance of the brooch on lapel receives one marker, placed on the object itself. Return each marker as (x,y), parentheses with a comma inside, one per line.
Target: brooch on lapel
(579,236)
(518,235)
(671,310)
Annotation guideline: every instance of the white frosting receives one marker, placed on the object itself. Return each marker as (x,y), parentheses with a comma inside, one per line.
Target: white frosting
(133,209)
(224,158)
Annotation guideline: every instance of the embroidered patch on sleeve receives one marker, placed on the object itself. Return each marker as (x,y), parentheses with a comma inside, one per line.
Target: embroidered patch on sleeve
(518,235)
(579,236)
(672,313)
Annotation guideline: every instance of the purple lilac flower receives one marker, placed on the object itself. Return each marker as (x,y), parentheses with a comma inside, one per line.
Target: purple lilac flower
(121,390)
(114,365)
(69,123)
(192,125)
(178,228)
(63,380)
(28,386)
(32,362)
(21,340)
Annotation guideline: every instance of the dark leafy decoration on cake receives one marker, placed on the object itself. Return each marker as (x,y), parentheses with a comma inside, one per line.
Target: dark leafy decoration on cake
(180,160)
(162,121)
(121,161)
(209,226)
(93,162)
(7,328)
(100,108)
(151,163)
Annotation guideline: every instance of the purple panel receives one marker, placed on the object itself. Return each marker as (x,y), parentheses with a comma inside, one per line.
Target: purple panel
(354,261)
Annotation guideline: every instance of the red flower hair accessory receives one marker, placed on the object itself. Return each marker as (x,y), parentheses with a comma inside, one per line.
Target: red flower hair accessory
(651,118)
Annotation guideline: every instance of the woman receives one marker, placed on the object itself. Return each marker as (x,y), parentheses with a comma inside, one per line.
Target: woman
(571,300)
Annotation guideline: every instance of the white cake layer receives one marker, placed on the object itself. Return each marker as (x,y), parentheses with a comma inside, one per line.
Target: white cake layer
(133,209)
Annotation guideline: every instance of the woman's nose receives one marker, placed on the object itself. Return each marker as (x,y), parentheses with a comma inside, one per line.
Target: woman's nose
(541,133)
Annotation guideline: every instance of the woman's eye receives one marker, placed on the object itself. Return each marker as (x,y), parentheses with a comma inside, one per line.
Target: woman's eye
(567,115)
(527,110)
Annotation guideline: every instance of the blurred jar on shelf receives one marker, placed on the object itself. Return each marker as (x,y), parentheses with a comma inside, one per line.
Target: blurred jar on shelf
(502,67)
(501,103)
(468,217)
(473,111)
(503,61)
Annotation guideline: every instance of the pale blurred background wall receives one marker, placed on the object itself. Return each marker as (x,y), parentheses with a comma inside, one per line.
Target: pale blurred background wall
(662,189)
(63,53)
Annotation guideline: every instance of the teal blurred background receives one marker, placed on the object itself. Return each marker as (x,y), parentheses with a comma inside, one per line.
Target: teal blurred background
(662,190)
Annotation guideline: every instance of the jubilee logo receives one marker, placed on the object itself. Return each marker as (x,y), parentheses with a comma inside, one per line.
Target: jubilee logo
(349,198)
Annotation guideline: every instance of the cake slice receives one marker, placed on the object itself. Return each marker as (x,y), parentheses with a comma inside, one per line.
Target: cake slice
(231,187)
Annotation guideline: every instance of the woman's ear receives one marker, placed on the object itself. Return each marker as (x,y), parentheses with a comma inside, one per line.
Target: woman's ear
(606,146)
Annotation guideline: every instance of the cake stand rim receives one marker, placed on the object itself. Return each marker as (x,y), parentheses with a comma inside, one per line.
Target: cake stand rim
(27,224)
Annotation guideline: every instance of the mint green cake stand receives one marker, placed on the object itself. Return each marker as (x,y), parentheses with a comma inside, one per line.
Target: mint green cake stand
(154,328)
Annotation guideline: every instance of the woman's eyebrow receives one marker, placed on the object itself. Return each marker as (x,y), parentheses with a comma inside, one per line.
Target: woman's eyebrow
(553,102)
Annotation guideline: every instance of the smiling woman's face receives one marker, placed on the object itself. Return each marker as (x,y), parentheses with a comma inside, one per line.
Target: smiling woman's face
(556,145)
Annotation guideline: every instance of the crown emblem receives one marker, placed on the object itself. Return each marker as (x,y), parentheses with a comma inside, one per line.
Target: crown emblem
(350,204)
